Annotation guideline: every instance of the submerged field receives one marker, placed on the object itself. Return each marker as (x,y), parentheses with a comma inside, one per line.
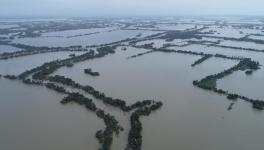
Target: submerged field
(132,83)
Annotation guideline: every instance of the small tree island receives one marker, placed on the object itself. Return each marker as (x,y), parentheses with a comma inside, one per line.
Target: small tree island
(90,72)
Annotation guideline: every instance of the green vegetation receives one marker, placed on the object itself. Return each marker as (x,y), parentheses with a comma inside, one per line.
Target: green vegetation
(105,137)
(148,45)
(134,136)
(230,107)
(90,72)
(123,48)
(249,72)
(42,71)
(232,96)
(209,82)
(119,103)
(41,75)
(83,34)
(140,54)
(239,39)
(183,52)
(33,50)
(72,55)
(186,34)
(55,87)
(11,77)
(199,61)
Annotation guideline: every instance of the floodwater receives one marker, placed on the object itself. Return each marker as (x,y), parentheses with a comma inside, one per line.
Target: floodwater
(175,27)
(69,33)
(33,118)
(158,43)
(190,119)
(189,114)
(246,85)
(243,44)
(225,32)
(237,82)
(257,37)
(7,48)
(100,38)
(258,56)
(6,26)
(18,65)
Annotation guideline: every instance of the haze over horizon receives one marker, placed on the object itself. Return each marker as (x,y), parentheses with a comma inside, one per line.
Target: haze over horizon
(129,7)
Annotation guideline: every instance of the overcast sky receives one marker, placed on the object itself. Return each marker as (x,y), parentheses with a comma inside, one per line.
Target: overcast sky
(129,7)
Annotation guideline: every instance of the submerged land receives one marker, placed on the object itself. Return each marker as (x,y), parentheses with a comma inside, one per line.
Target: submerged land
(144,83)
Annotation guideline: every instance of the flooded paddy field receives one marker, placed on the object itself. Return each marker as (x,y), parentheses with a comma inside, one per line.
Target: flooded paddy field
(131,83)
(93,38)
